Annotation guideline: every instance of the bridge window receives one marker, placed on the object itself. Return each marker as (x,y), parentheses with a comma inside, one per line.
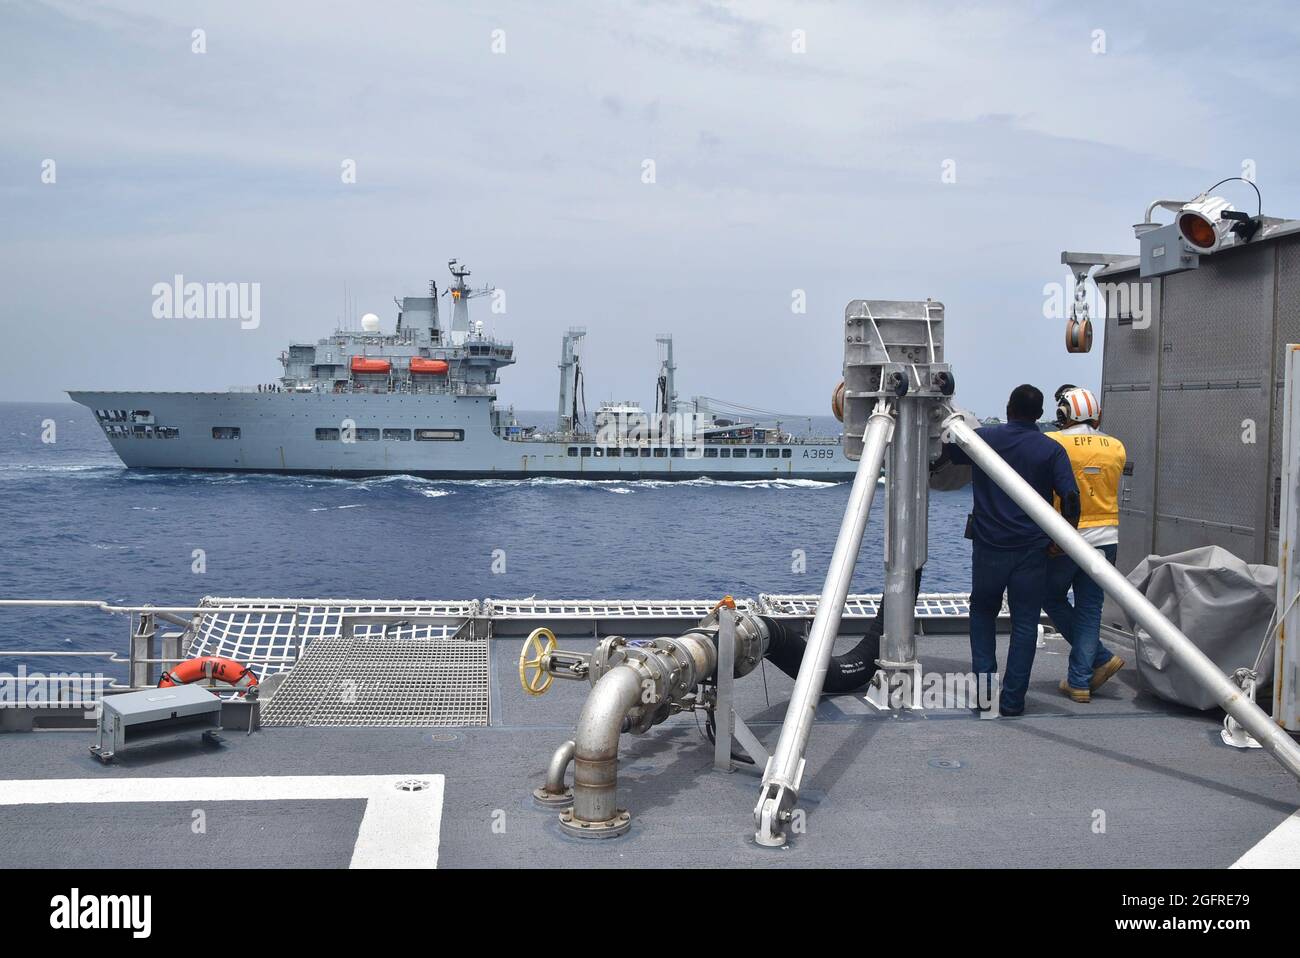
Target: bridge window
(572,450)
(710,453)
(586,450)
(661,452)
(398,435)
(724,453)
(676,452)
(645,452)
(739,453)
(367,434)
(225,432)
(773,453)
(327,433)
(787,453)
(614,452)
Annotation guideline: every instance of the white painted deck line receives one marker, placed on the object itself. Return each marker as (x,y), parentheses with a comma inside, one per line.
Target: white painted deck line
(1280,848)
(400,829)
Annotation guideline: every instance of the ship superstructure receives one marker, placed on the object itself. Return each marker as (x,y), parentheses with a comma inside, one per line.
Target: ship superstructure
(421,400)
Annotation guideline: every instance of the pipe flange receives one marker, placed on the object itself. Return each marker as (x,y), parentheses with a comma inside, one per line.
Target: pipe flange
(612,828)
(552,799)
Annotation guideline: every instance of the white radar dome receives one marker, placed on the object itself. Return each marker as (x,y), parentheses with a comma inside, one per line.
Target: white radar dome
(370,323)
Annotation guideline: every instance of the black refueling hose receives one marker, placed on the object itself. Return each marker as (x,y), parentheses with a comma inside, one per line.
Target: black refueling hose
(847,672)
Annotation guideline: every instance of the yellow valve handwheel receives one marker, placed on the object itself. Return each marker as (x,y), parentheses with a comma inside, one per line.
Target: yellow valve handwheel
(539,644)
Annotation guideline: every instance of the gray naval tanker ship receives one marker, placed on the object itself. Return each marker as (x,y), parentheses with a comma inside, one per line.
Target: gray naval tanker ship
(421,400)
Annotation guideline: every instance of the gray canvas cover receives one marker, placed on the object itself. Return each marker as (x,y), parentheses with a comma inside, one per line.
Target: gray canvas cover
(1224,605)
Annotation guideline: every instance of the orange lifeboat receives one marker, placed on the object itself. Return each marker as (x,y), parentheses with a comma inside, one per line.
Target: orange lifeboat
(363,364)
(432,367)
(209,667)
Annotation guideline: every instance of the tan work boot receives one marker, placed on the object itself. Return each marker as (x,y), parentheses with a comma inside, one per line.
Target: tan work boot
(1102,675)
(1078,695)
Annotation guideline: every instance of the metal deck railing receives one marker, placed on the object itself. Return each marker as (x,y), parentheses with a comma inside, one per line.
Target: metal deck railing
(270,635)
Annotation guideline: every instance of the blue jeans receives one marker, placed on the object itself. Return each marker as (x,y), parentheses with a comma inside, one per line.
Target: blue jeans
(1080,624)
(1022,575)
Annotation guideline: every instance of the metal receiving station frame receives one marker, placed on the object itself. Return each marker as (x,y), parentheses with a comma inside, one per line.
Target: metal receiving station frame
(896,401)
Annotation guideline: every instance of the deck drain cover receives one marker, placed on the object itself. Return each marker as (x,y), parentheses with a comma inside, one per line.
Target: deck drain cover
(412,785)
(949,763)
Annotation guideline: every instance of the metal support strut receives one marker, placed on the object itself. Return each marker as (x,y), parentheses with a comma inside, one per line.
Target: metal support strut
(1230,697)
(784,769)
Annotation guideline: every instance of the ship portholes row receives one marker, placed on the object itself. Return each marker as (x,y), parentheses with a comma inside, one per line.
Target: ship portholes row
(371,434)
(363,434)
(678,452)
(141,432)
(133,424)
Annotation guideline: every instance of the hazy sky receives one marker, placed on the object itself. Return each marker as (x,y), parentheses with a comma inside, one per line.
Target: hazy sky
(775,171)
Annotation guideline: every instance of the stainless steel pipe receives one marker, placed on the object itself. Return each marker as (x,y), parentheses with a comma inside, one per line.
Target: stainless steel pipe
(906,529)
(555,794)
(595,759)
(1138,607)
(785,769)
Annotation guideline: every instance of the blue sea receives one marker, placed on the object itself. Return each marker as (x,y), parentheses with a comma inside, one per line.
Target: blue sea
(78,525)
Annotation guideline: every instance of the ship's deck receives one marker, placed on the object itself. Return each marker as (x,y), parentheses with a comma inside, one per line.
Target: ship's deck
(920,789)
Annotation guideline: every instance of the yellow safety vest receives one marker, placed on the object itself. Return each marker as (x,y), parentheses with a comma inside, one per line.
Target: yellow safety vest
(1098,463)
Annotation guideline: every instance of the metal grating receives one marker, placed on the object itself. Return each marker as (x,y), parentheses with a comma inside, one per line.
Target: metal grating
(1130,350)
(270,634)
(929,605)
(1130,415)
(532,608)
(385,682)
(1217,321)
(1207,474)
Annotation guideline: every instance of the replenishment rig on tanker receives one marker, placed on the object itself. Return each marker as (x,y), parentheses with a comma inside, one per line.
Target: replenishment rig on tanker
(421,401)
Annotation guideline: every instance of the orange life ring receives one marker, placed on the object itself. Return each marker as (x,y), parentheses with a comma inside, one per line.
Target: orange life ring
(209,667)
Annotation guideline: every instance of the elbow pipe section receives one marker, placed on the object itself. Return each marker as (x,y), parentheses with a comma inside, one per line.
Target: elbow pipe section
(595,757)
(559,765)
(555,794)
(847,672)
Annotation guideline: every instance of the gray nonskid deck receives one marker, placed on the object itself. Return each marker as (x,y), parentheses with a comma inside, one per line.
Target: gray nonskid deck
(936,789)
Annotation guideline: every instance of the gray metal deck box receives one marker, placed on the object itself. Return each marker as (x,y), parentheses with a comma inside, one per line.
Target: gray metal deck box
(153,714)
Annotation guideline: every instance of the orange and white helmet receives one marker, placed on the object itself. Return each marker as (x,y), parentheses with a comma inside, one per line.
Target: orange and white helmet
(1074,404)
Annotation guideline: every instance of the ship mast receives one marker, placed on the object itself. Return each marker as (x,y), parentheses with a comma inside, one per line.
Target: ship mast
(666,387)
(461,294)
(569,373)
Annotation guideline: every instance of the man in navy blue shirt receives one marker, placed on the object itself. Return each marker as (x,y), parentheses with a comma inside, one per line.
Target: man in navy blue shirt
(1009,551)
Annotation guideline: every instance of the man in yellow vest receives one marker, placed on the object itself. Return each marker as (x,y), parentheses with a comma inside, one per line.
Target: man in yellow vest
(1098,463)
